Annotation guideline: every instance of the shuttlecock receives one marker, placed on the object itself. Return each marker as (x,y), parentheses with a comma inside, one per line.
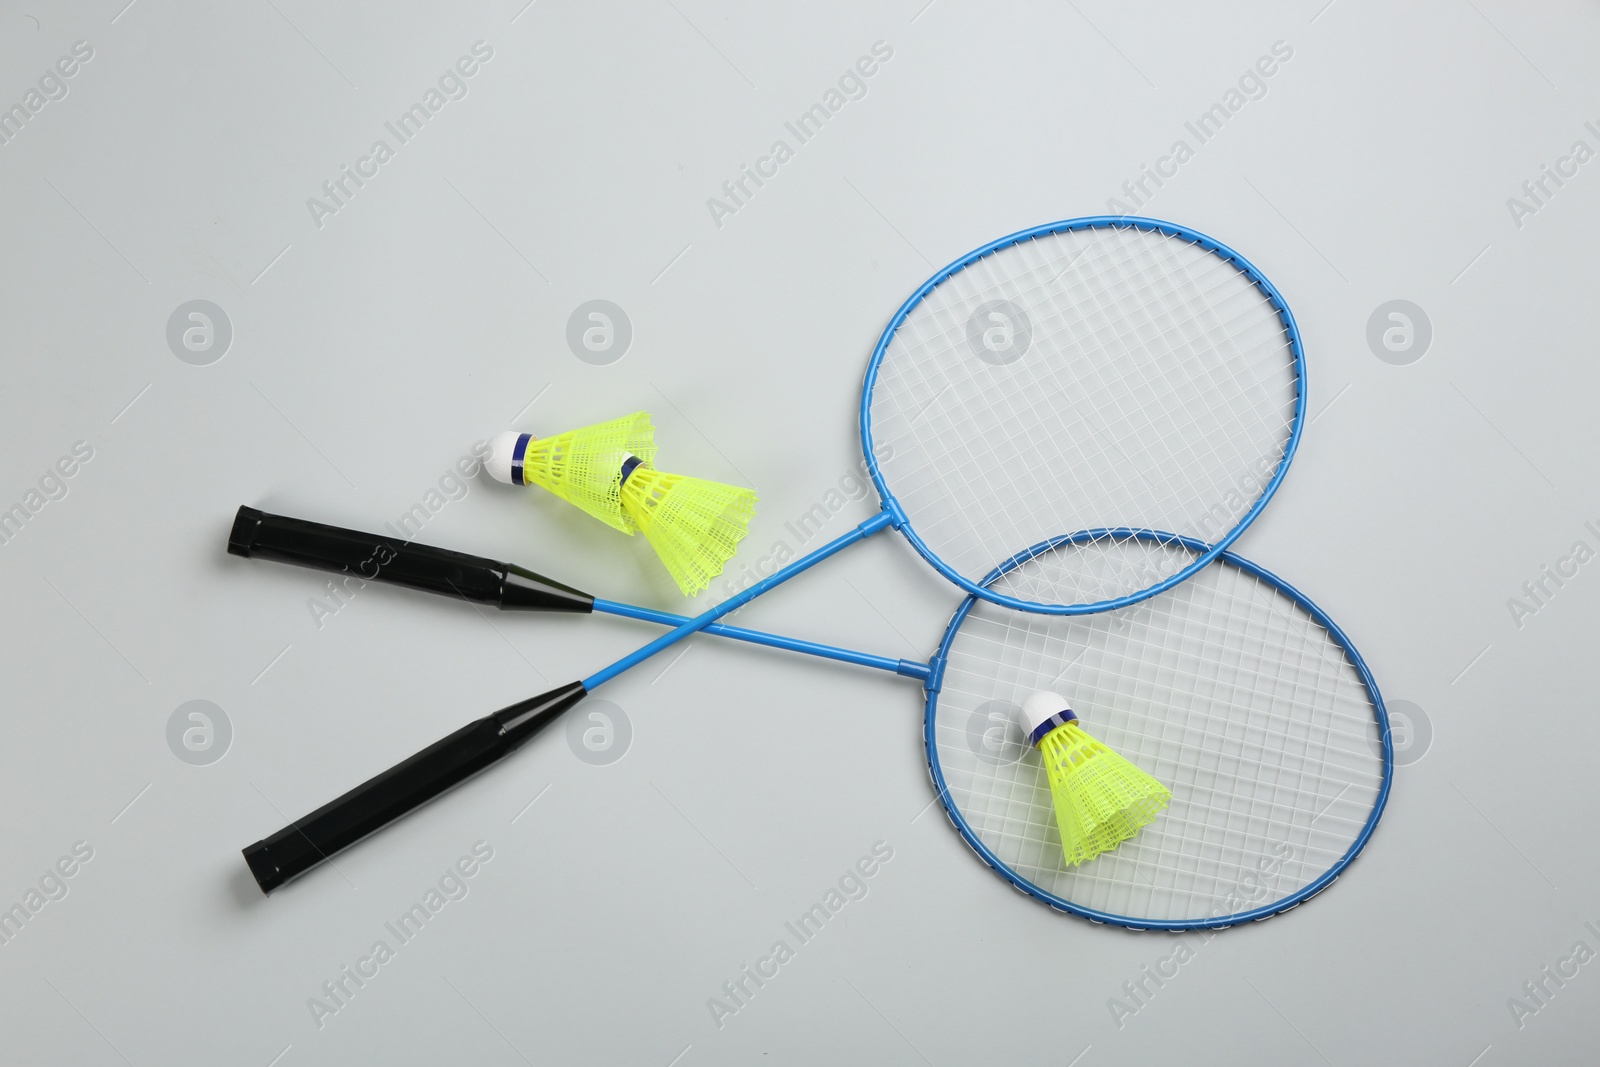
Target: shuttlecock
(694,525)
(582,467)
(1101,799)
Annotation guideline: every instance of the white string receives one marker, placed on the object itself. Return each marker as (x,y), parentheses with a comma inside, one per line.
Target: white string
(1157,390)
(1223,688)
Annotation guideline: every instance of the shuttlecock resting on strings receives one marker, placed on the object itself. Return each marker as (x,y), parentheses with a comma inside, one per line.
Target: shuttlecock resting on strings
(1101,799)
(581,467)
(694,525)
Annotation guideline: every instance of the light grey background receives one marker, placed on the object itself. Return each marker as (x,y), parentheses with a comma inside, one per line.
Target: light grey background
(431,310)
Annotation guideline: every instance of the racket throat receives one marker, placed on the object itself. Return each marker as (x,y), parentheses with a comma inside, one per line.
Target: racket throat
(519,722)
(523,590)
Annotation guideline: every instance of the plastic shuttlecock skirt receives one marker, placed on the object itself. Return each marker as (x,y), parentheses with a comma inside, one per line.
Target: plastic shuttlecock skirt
(1101,799)
(582,467)
(694,525)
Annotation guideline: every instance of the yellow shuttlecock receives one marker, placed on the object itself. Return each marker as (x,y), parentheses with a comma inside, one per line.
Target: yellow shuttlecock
(581,467)
(694,525)
(1101,799)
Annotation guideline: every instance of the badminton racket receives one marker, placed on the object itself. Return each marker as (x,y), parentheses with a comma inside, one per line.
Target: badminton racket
(369,557)
(1060,378)
(1233,688)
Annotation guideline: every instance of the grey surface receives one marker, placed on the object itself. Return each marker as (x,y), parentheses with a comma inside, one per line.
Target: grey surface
(368,354)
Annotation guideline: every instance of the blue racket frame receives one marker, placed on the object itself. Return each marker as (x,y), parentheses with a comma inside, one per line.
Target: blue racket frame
(959,821)
(1211,551)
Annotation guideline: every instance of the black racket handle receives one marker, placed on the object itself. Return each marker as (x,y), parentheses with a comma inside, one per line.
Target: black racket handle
(403,788)
(376,558)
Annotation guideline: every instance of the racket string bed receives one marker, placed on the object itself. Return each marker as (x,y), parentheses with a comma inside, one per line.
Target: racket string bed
(1136,432)
(1161,382)
(1046,333)
(1224,689)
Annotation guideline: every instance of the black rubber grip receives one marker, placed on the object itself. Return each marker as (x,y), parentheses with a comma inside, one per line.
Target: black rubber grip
(403,788)
(376,558)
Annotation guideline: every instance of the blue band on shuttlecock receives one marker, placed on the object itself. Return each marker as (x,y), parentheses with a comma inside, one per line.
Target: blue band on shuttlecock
(1060,718)
(629,465)
(516,458)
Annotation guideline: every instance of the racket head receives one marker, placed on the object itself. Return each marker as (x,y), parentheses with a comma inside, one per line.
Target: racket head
(1149,377)
(1244,837)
